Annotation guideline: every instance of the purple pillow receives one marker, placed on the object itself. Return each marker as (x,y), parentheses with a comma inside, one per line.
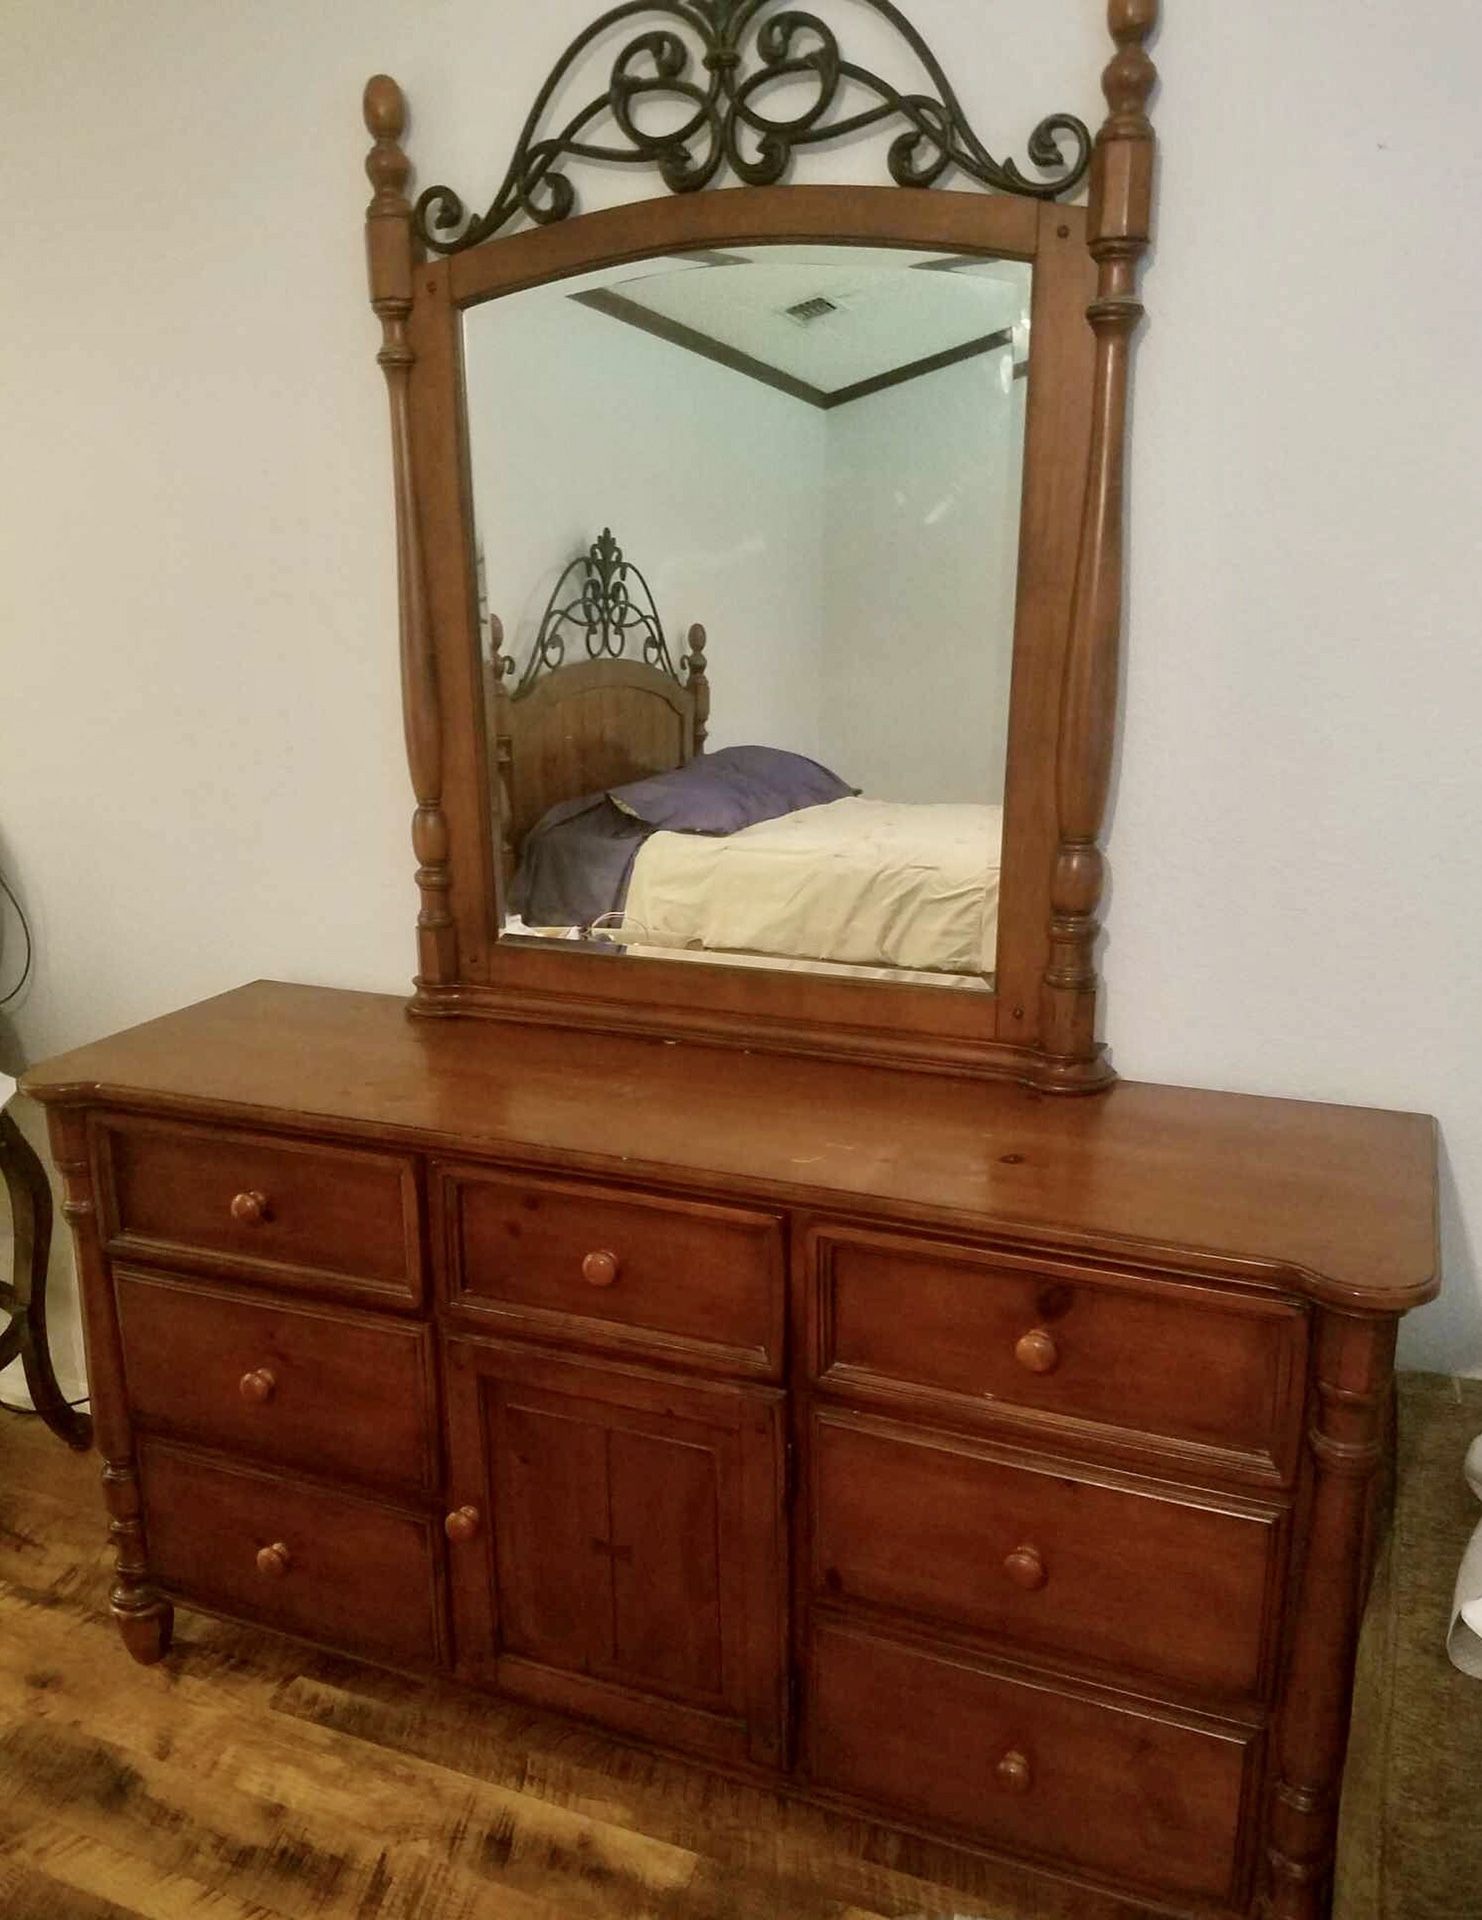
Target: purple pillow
(723,792)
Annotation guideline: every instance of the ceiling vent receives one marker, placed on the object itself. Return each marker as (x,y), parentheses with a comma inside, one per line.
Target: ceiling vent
(806,312)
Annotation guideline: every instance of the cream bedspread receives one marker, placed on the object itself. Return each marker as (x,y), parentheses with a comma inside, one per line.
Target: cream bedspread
(858,882)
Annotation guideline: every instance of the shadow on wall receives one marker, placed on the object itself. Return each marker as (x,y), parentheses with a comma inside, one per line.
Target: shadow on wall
(1456,1347)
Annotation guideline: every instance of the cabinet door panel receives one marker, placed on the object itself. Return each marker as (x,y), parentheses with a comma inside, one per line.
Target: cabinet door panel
(549,1496)
(629,1563)
(669,1615)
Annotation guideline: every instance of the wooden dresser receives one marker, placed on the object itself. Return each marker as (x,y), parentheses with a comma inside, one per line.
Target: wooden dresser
(995,1463)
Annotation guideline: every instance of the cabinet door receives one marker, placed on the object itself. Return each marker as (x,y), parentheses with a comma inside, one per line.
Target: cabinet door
(624,1545)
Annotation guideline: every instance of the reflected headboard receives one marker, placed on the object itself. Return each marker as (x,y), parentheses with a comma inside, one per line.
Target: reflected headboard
(572,726)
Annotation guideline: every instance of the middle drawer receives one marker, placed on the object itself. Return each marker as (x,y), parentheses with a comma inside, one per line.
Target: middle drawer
(344,1395)
(1136,1576)
(682,1280)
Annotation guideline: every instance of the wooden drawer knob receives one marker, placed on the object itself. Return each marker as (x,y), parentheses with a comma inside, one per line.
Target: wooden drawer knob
(1037,1352)
(1026,1568)
(250,1209)
(274,1561)
(462,1526)
(1013,1773)
(258,1387)
(600,1269)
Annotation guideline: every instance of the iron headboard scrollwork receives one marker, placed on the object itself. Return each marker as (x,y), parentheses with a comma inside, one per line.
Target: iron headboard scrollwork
(717,61)
(603,598)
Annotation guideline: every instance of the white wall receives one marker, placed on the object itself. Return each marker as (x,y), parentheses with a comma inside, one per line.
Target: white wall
(713,485)
(921,561)
(200,767)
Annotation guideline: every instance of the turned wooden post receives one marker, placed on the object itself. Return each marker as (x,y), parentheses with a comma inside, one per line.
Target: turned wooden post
(391,259)
(1120,227)
(499,722)
(697,680)
(145,1619)
(1354,1372)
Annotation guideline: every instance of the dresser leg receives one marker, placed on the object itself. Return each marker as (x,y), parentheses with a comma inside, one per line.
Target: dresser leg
(147,1631)
(145,1620)
(1355,1365)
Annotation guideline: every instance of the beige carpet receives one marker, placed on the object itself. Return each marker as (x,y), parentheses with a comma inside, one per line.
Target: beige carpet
(1410,1845)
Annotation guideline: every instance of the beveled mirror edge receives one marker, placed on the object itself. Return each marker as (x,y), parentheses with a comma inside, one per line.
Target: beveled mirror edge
(812,1015)
(1041,1025)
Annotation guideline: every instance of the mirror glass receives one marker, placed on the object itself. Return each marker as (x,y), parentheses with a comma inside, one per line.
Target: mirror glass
(748,530)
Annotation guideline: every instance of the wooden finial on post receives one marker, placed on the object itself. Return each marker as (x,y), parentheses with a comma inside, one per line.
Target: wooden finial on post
(698,682)
(391,259)
(1119,230)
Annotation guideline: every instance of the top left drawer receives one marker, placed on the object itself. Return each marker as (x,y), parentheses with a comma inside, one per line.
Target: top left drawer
(334,1220)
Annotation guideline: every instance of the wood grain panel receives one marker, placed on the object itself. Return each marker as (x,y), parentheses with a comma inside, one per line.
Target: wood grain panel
(328,1219)
(1113,1789)
(1217,1371)
(631,1565)
(550,1508)
(698,1284)
(336,1394)
(1137,1576)
(359,1576)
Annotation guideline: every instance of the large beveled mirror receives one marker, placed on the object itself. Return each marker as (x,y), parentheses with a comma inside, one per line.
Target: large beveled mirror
(759,552)
(748,527)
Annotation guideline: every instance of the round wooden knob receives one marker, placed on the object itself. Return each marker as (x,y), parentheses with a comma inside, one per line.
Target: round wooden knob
(258,1387)
(250,1209)
(462,1525)
(1013,1773)
(1037,1352)
(274,1561)
(600,1269)
(1026,1568)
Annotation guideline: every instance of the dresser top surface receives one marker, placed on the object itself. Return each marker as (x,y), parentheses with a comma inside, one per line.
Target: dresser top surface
(1339,1200)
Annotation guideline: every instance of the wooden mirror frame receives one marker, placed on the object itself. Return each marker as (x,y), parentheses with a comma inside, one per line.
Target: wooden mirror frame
(1040,1023)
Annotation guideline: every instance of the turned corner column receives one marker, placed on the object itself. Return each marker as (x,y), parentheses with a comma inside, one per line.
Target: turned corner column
(391,257)
(145,1619)
(1118,234)
(1347,1437)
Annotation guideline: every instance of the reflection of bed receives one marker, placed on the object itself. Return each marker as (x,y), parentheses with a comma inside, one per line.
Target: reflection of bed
(866,883)
(798,875)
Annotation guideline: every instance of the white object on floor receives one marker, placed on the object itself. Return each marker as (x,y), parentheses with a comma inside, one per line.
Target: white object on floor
(7,1089)
(1464,1642)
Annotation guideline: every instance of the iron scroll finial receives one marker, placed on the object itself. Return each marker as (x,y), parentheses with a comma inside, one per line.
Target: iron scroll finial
(603,599)
(713,63)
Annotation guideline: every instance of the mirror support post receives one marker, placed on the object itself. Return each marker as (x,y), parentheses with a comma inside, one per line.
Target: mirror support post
(1119,233)
(390,259)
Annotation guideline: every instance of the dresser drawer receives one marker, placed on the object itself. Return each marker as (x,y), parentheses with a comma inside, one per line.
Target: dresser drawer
(1065,1352)
(1030,1769)
(336,1219)
(678,1279)
(345,1572)
(338,1394)
(1081,1566)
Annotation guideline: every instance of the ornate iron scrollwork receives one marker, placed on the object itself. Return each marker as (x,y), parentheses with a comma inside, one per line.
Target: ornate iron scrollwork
(604,610)
(716,77)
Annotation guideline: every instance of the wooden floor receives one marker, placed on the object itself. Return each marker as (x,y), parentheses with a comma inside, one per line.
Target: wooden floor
(247,1779)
